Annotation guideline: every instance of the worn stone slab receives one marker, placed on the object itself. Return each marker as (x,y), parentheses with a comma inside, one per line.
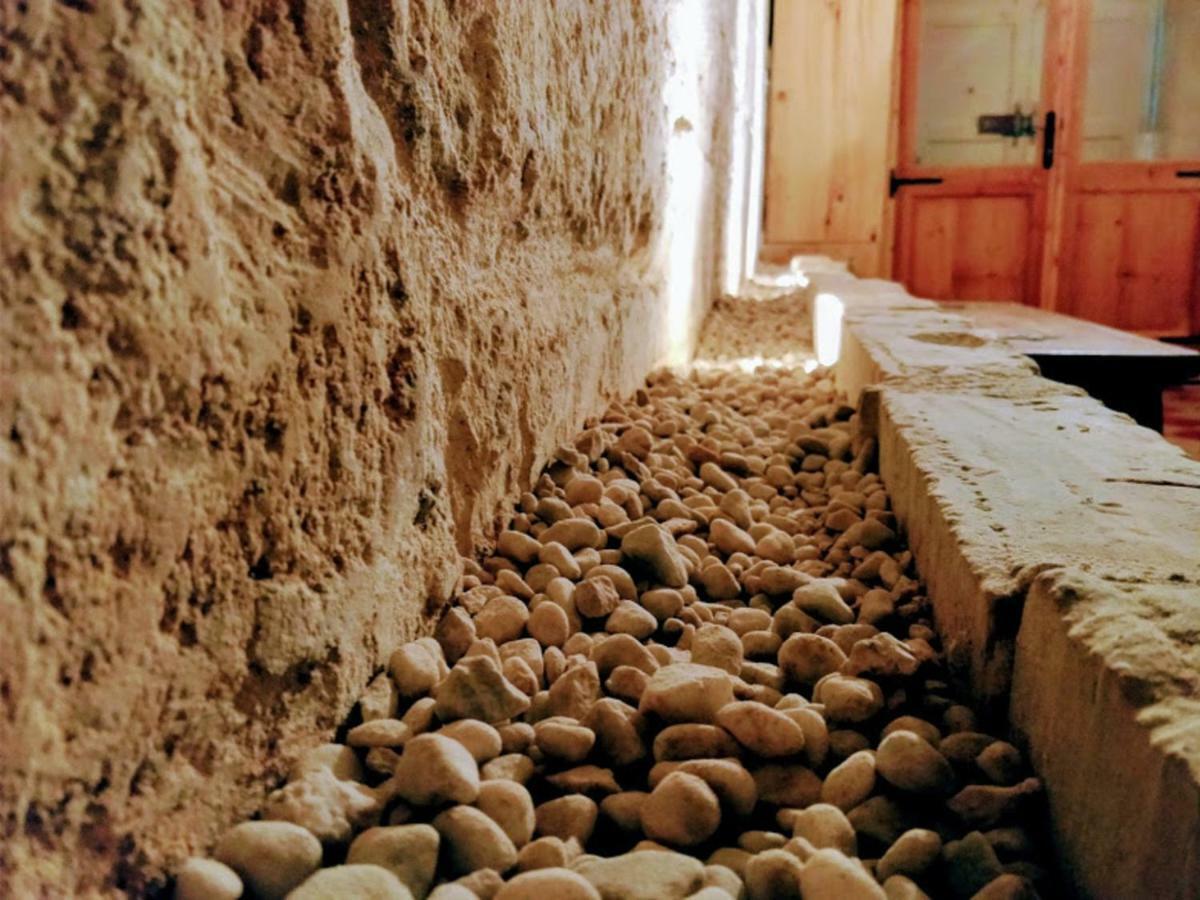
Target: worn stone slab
(994,481)
(1106,694)
(885,342)
(1060,543)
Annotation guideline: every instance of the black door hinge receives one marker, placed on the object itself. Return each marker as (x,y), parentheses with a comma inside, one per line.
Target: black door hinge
(1048,140)
(895,182)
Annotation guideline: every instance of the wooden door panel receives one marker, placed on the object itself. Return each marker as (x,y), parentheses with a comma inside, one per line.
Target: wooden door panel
(1102,226)
(968,247)
(1120,50)
(827,150)
(1090,277)
(977,57)
(1135,260)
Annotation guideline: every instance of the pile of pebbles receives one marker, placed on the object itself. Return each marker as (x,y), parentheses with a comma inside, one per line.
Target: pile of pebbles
(699,664)
(773,326)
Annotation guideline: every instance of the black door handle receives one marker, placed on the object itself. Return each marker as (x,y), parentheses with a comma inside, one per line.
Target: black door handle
(1048,137)
(1188,173)
(895,182)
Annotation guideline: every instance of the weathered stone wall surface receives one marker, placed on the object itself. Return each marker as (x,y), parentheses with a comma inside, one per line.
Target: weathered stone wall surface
(294,295)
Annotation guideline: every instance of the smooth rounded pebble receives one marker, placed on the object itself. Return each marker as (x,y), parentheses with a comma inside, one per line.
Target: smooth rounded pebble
(452,891)
(270,857)
(572,816)
(574,534)
(728,778)
(911,854)
(548,884)
(477,689)
(644,875)
(597,597)
(206,879)
(482,741)
(363,882)
(807,658)
(825,825)
(717,646)
(729,538)
(510,806)
(473,841)
(901,887)
(911,763)
(549,625)
(652,545)
(847,698)
(502,619)
(682,811)
(546,853)
(410,852)
(821,599)
(760,729)
(685,692)
(851,782)
(773,875)
(436,769)
(564,739)
(831,875)
(787,785)
(413,669)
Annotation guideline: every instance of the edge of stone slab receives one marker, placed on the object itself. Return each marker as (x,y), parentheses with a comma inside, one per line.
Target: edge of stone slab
(992,477)
(921,344)
(1103,669)
(1106,700)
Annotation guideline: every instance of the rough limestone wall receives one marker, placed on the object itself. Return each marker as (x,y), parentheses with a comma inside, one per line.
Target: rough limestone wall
(294,295)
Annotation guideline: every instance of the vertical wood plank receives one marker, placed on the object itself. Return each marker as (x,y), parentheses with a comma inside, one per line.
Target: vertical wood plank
(1158,262)
(828,125)
(931,241)
(1091,278)
(1134,260)
(991,248)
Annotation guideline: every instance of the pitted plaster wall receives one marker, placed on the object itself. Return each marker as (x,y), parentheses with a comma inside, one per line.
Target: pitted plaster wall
(294,296)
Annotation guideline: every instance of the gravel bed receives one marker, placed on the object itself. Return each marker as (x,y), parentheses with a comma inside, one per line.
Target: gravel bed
(699,663)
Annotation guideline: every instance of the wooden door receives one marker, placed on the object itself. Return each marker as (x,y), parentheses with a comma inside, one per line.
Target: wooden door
(1105,222)
(1129,252)
(971,207)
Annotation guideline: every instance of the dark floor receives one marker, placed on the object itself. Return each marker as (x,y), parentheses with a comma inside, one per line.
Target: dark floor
(1181,417)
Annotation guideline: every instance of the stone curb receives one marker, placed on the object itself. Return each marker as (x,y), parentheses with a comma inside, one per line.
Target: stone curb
(1106,698)
(1060,543)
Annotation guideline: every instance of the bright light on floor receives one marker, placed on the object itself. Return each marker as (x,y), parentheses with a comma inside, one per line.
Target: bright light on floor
(827,328)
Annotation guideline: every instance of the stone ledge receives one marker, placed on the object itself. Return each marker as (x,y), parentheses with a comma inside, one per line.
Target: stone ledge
(885,343)
(1106,696)
(994,482)
(1060,547)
